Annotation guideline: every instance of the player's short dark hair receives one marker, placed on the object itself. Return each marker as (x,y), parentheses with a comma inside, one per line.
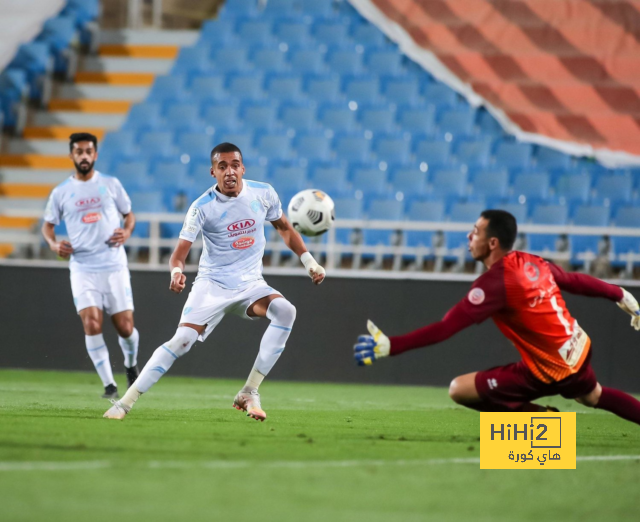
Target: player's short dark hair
(82,136)
(502,225)
(225,147)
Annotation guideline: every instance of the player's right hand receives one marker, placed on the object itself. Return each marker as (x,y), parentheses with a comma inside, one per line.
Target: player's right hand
(370,348)
(178,282)
(629,304)
(63,249)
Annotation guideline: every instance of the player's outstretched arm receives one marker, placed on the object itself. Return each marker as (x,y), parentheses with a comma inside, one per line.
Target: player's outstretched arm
(583,284)
(294,241)
(176,264)
(62,248)
(370,348)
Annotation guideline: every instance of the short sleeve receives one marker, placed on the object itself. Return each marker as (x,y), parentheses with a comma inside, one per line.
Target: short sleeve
(487,295)
(121,198)
(53,212)
(274,212)
(193,223)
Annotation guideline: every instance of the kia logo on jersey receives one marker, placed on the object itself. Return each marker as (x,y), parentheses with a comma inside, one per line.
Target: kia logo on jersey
(241,225)
(243,242)
(92,217)
(87,202)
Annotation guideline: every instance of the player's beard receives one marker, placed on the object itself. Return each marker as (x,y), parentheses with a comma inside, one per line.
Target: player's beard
(84,167)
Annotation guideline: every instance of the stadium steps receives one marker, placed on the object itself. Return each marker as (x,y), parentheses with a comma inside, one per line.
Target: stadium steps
(105,88)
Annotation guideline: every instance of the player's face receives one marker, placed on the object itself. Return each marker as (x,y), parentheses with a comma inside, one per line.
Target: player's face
(228,170)
(84,155)
(479,244)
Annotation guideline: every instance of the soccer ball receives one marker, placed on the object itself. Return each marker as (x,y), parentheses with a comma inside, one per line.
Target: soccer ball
(311,212)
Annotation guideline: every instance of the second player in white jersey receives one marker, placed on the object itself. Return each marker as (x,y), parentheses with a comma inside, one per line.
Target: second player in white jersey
(231,217)
(91,205)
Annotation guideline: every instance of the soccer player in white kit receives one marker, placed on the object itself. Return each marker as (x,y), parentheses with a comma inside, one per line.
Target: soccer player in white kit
(231,216)
(90,203)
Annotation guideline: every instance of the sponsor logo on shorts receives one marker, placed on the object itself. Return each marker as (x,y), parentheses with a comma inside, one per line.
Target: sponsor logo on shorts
(241,225)
(88,202)
(476,296)
(243,243)
(92,217)
(186,310)
(531,271)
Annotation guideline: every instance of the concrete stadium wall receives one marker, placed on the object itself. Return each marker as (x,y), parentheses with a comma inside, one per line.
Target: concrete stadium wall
(40,329)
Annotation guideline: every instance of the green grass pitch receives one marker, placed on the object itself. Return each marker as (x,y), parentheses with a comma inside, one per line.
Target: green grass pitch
(326,453)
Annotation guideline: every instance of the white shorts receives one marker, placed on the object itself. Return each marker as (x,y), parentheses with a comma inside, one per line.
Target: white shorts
(110,291)
(208,303)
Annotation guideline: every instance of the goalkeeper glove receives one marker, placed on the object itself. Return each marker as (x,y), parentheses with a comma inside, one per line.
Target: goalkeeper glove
(371,347)
(629,304)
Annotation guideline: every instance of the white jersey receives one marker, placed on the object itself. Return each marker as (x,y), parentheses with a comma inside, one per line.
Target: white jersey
(232,232)
(91,211)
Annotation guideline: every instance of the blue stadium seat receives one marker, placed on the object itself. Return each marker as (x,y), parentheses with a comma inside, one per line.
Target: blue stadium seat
(143,116)
(270,59)
(147,201)
(14,91)
(384,61)
(323,88)
(434,153)
(352,147)
(338,117)
(474,153)
(411,182)
(293,32)
(513,155)
(256,170)
(299,116)
(347,208)
(156,144)
(393,148)
(416,119)
(222,115)
(533,187)
(206,89)
(192,60)
(382,209)
(345,60)
(59,34)
(432,211)
(197,145)
(217,33)
(134,175)
(368,35)
(255,32)
(285,87)
(120,143)
(624,245)
(377,118)
(547,215)
(574,189)
(246,85)
(491,184)
(457,122)
(274,146)
(331,32)
(362,89)
(615,189)
(592,216)
(231,59)
(288,179)
(261,115)
(488,124)
(552,159)
(401,90)
(372,182)
(450,185)
(518,210)
(243,139)
(277,8)
(316,7)
(461,213)
(331,178)
(168,89)
(307,61)
(231,10)
(34,58)
(183,117)
(440,94)
(313,146)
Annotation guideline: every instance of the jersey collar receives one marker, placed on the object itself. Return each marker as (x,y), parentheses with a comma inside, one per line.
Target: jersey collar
(222,197)
(94,178)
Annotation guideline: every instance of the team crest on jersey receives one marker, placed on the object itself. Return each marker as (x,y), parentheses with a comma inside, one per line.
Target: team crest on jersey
(92,217)
(476,296)
(255,206)
(531,271)
(243,243)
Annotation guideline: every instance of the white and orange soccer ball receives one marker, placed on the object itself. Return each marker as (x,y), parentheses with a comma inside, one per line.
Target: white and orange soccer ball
(311,212)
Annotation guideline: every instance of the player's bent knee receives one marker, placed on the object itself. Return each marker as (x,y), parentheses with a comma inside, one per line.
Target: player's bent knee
(182,341)
(92,326)
(454,390)
(282,311)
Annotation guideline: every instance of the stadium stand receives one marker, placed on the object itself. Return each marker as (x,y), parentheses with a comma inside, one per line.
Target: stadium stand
(316,96)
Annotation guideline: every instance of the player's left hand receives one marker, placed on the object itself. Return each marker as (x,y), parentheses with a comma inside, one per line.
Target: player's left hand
(629,304)
(120,235)
(370,348)
(317,274)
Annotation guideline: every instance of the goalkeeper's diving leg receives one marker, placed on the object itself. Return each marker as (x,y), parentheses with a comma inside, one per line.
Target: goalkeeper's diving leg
(158,365)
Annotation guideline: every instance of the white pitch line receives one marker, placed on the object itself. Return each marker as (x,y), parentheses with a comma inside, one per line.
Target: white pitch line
(289,464)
